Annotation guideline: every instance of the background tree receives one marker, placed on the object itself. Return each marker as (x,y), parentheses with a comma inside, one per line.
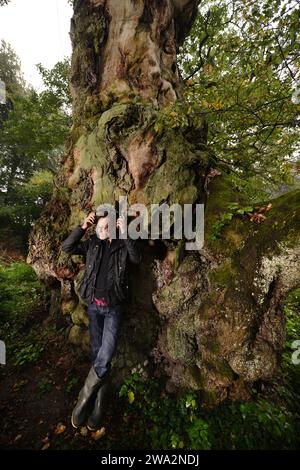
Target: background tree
(33,131)
(241,68)
(11,77)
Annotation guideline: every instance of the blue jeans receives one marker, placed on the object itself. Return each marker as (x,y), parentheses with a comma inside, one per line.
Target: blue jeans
(104,330)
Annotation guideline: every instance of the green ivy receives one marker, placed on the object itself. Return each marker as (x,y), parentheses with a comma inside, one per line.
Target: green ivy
(234,209)
(157,420)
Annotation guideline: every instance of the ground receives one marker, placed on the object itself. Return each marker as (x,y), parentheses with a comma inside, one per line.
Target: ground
(36,400)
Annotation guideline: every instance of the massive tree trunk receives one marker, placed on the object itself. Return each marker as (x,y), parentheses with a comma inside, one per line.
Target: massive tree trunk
(208,319)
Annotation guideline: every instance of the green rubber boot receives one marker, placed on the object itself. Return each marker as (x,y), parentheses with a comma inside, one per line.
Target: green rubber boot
(95,418)
(88,391)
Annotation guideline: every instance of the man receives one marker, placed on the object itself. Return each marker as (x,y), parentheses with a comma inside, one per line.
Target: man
(105,288)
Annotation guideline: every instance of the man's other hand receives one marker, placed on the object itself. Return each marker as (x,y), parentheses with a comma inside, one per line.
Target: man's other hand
(89,220)
(121,223)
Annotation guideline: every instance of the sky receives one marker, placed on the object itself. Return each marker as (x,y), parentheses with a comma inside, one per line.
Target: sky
(38,31)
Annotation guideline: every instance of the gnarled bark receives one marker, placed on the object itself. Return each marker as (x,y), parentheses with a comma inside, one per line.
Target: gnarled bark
(193,314)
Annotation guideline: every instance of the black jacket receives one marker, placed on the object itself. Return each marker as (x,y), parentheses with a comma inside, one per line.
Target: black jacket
(124,250)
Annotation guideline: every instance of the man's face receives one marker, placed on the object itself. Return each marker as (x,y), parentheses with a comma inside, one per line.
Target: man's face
(102,228)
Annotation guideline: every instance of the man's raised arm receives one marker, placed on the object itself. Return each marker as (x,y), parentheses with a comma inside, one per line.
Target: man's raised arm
(134,251)
(72,243)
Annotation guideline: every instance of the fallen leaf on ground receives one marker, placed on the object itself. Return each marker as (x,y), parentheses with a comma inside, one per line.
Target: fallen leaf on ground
(98,434)
(16,386)
(59,428)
